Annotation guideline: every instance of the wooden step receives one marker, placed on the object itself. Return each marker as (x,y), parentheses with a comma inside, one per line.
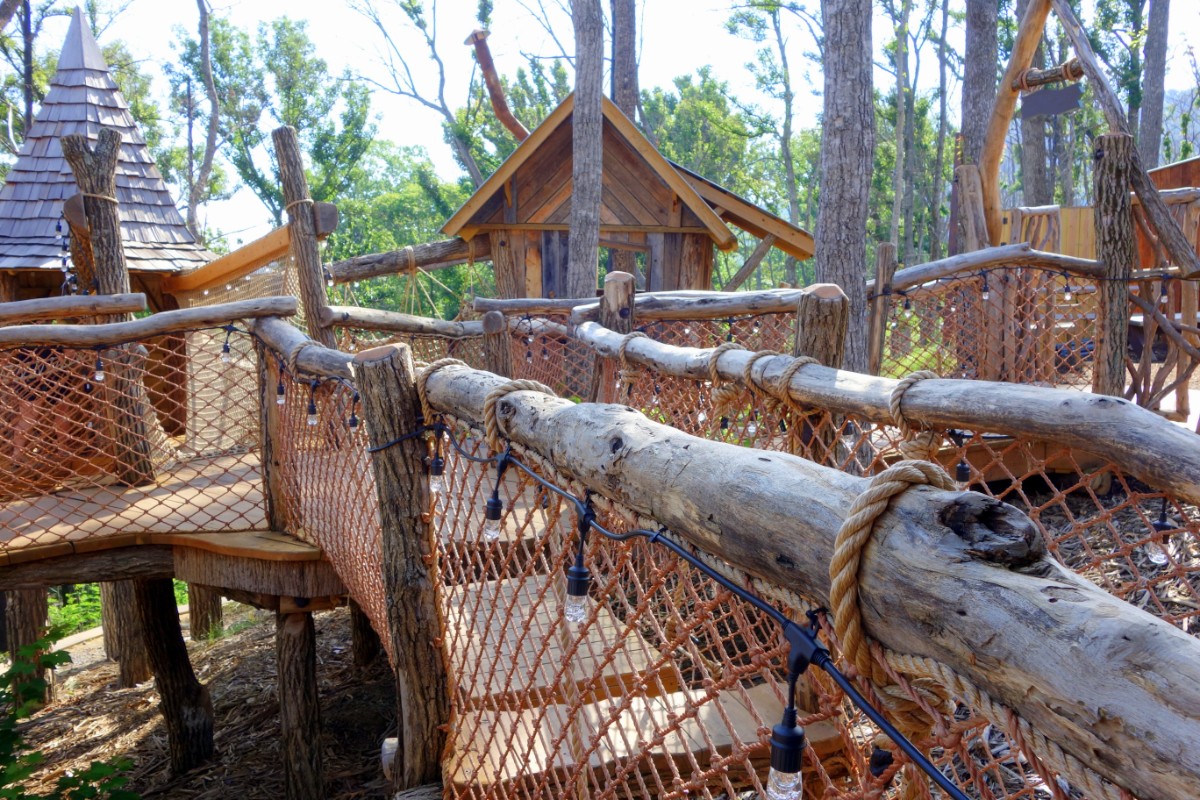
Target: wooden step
(508,645)
(512,749)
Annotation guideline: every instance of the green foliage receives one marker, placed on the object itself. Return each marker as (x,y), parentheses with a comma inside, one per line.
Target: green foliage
(78,610)
(20,697)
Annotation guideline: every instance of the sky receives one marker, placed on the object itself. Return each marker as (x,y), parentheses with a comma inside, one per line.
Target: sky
(677,38)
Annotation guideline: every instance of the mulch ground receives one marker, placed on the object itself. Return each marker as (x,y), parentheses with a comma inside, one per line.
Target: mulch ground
(93,720)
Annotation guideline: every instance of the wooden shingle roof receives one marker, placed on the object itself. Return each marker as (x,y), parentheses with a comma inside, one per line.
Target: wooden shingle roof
(83,98)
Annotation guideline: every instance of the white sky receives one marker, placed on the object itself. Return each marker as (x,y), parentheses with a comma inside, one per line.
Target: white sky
(677,38)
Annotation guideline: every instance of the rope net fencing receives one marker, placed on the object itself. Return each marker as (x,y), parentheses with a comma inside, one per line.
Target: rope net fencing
(123,442)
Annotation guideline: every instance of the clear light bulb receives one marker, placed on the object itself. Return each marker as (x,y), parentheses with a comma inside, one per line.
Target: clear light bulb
(312,418)
(437,484)
(491,529)
(701,417)
(493,510)
(1155,555)
(783,785)
(1067,295)
(752,428)
(226,355)
(279,396)
(99,376)
(575,609)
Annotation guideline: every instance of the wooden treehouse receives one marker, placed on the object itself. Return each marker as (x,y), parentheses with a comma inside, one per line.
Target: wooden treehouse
(698,454)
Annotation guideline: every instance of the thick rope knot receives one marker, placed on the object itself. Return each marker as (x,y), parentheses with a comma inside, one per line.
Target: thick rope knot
(726,397)
(423,380)
(918,444)
(771,403)
(849,545)
(491,423)
(628,373)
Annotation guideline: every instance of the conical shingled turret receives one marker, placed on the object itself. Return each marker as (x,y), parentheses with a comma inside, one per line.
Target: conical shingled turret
(83,98)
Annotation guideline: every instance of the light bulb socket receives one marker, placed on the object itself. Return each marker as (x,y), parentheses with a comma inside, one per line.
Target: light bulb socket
(579,579)
(787,744)
(494,508)
(881,761)
(353,421)
(962,472)
(437,468)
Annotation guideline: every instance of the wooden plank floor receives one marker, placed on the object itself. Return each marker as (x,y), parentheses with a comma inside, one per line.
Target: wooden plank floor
(211,494)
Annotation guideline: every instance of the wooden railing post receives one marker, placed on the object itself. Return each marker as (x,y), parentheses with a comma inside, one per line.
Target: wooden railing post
(387,384)
(1115,250)
(616,314)
(302,231)
(270,426)
(881,305)
(497,344)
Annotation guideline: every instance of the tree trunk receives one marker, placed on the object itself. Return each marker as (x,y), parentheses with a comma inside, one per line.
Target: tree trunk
(185,702)
(25,622)
(1115,248)
(200,182)
(624,93)
(1150,133)
(901,128)
(937,227)
(7,9)
(387,381)
(785,139)
(587,155)
(299,707)
(497,344)
(979,75)
(124,638)
(1036,189)
(616,314)
(847,150)
(364,641)
(204,612)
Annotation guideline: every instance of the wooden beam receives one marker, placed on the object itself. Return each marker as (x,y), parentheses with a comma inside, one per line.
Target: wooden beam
(1005,256)
(1182,252)
(301,353)
(751,263)
(953,576)
(792,240)
(1029,35)
(1116,429)
(433,255)
(114,333)
(373,319)
(232,266)
(299,707)
(1068,72)
(126,563)
(70,307)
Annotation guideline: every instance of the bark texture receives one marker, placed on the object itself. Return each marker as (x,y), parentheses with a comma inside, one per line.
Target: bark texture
(497,349)
(299,707)
(847,149)
(204,612)
(433,255)
(124,637)
(364,641)
(1115,247)
(616,314)
(1150,131)
(25,621)
(199,182)
(387,382)
(881,304)
(979,75)
(587,156)
(1036,187)
(624,94)
(185,702)
(821,319)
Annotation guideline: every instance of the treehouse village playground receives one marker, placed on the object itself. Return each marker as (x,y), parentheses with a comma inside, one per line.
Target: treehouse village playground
(596,538)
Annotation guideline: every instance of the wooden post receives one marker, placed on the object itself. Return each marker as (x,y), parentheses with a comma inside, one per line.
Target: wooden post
(881,305)
(204,612)
(299,706)
(1115,249)
(270,423)
(972,217)
(185,702)
(302,231)
(821,319)
(387,384)
(616,314)
(364,641)
(751,263)
(497,344)
(24,624)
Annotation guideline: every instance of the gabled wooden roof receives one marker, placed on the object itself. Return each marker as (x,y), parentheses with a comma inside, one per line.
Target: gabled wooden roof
(538,175)
(82,98)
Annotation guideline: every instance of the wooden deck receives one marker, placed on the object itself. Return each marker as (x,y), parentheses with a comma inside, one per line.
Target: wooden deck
(202,495)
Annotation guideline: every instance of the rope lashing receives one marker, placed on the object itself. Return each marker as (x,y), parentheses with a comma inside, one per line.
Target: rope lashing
(294,203)
(628,373)
(769,400)
(423,380)
(410,258)
(918,444)
(726,397)
(491,423)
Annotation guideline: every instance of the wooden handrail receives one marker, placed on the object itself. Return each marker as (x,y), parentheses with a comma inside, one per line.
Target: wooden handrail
(71,307)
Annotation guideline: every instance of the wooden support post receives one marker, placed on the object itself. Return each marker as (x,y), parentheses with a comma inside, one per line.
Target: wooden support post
(204,612)
(25,622)
(302,231)
(751,263)
(124,637)
(270,425)
(364,641)
(299,707)
(497,344)
(1115,248)
(881,305)
(616,314)
(821,319)
(387,383)
(185,702)
(972,217)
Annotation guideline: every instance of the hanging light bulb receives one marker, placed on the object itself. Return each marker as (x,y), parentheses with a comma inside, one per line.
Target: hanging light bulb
(986,294)
(312,418)
(1164,294)
(99,376)
(579,578)
(65,266)
(784,781)
(962,473)
(328,280)
(352,423)
(58,227)
(1066,286)
(752,426)
(491,516)
(226,353)
(528,356)
(437,472)
(279,396)
(908,312)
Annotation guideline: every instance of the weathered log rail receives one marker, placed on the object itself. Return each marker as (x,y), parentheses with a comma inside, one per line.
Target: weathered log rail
(952,576)
(70,307)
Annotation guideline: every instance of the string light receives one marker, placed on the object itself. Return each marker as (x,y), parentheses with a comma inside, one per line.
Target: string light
(312,418)
(98,377)
(1164,293)
(437,468)
(328,279)
(352,423)
(579,577)
(226,352)
(986,293)
(494,508)
(1066,287)
(279,392)
(752,426)
(908,311)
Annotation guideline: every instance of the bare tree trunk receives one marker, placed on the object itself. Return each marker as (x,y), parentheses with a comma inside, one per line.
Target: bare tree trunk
(299,706)
(901,128)
(124,638)
(1035,188)
(200,183)
(1151,131)
(584,247)
(785,140)
(7,9)
(1115,249)
(204,611)
(979,75)
(25,621)
(624,93)
(847,149)
(939,186)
